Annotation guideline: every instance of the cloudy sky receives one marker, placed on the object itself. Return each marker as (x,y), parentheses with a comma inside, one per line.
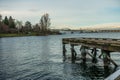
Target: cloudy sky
(63,12)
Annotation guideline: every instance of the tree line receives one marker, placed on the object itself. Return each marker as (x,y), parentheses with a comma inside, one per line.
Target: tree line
(11,25)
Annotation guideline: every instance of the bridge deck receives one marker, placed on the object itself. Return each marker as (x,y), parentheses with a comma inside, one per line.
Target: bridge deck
(102,43)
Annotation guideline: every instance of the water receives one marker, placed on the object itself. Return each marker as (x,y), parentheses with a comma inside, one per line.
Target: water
(40,58)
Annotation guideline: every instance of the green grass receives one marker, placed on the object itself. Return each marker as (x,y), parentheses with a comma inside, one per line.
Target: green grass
(23,34)
(15,34)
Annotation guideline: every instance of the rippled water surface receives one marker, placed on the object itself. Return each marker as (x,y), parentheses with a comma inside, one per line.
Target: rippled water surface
(40,58)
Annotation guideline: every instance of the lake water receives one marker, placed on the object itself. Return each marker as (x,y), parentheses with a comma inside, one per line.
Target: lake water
(40,58)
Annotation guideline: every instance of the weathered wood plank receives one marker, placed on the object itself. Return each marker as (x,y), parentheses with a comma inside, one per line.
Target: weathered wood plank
(102,43)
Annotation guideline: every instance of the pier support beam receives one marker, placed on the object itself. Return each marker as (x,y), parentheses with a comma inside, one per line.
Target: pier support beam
(83,53)
(107,59)
(73,53)
(94,52)
(64,52)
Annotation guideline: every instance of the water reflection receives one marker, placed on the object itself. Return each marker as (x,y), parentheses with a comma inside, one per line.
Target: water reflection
(87,71)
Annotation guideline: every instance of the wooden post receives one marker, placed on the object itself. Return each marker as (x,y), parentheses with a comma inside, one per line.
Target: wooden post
(83,53)
(105,58)
(100,55)
(94,52)
(64,52)
(73,53)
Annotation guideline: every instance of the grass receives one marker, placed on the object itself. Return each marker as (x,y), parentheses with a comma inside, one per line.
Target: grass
(23,34)
(15,34)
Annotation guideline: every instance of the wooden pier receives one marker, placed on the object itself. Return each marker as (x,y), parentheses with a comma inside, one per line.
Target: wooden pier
(107,45)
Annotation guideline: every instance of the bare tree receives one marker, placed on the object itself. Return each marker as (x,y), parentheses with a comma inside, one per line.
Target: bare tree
(45,22)
(19,25)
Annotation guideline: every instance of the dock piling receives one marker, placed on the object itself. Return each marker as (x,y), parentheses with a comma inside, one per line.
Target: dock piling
(106,61)
(94,52)
(73,53)
(105,44)
(83,53)
(64,52)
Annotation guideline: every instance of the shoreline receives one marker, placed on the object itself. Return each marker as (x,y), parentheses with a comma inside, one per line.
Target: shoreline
(3,35)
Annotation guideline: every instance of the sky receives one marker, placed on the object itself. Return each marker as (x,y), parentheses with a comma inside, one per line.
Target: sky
(71,13)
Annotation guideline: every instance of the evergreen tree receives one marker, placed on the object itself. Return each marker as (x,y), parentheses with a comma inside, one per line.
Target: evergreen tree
(28,27)
(5,21)
(28,24)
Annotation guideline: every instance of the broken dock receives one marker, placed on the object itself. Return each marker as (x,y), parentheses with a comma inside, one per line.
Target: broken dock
(107,45)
